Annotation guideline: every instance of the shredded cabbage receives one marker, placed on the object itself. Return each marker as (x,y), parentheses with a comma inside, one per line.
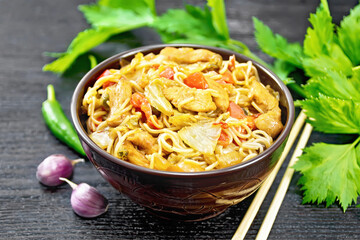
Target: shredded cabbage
(102,139)
(154,93)
(182,119)
(201,136)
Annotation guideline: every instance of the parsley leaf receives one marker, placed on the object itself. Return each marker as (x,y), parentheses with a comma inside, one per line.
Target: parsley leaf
(283,69)
(330,172)
(117,14)
(206,26)
(321,64)
(333,115)
(219,17)
(322,34)
(276,45)
(332,103)
(108,18)
(198,26)
(335,84)
(349,35)
(83,42)
(287,55)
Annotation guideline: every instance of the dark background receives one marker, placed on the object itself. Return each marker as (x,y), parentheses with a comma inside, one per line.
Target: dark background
(29,210)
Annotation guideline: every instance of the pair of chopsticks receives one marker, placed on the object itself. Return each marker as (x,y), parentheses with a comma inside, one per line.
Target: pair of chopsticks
(284,184)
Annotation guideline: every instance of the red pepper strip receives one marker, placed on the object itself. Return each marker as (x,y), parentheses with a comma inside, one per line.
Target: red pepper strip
(236,111)
(104,74)
(251,122)
(224,139)
(168,73)
(227,77)
(196,80)
(140,102)
(108,83)
(223,125)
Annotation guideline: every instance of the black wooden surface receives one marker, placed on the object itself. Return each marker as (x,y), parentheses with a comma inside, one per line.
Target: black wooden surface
(30,211)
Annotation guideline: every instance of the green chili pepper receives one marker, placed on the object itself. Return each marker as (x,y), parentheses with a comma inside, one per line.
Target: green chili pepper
(58,123)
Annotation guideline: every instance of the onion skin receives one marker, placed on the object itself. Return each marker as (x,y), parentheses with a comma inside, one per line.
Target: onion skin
(87,202)
(53,167)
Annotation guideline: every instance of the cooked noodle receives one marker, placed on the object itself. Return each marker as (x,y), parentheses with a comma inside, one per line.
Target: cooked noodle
(153,112)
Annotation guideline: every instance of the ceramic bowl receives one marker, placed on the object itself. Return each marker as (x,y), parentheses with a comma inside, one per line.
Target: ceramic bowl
(178,195)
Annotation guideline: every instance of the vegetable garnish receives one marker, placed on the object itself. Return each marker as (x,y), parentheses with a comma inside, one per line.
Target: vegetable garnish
(196,80)
(205,26)
(58,123)
(236,111)
(86,201)
(330,57)
(53,167)
(167,73)
(140,102)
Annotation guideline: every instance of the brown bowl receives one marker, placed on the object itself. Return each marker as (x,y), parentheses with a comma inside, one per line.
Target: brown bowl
(178,195)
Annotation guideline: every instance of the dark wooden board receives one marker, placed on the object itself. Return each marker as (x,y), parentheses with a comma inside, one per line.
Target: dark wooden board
(29,210)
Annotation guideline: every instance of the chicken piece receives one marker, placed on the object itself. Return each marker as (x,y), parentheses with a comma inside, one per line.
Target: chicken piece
(222,101)
(189,55)
(270,122)
(144,141)
(229,159)
(262,97)
(161,163)
(133,155)
(201,101)
(138,77)
(118,94)
(186,165)
(243,101)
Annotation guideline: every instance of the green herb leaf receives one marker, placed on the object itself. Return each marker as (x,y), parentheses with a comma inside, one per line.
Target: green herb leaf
(219,17)
(108,18)
(335,84)
(276,45)
(335,60)
(118,14)
(349,35)
(283,69)
(93,61)
(322,34)
(330,172)
(197,27)
(83,42)
(333,115)
(139,6)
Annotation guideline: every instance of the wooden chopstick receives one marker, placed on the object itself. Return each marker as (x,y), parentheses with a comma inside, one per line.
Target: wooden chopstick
(284,184)
(263,190)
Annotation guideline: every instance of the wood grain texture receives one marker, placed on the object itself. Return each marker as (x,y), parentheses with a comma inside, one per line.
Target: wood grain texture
(29,210)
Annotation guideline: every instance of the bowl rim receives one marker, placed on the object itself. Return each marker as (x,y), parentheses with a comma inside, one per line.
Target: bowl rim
(204,174)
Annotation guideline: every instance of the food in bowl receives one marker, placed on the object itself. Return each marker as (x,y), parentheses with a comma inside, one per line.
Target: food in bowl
(182,110)
(186,196)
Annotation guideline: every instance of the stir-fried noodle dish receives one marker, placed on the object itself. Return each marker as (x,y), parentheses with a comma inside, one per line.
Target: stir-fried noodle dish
(182,110)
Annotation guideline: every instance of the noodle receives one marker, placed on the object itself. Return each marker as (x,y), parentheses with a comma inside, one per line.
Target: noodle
(153,113)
